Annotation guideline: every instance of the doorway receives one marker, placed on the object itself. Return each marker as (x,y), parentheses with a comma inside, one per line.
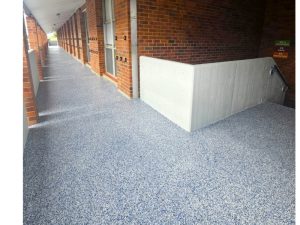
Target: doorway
(109,37)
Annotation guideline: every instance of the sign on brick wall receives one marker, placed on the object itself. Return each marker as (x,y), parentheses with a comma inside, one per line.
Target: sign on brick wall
(281,49)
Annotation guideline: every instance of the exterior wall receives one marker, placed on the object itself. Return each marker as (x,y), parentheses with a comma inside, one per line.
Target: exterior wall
(66,37)
(187,31)
(123,46)
(72,36)
(81,36)
(96,38)
(42,44)
(34,42)
(280,25)
(28,89)
(75,32)
(199,31)
(69,37)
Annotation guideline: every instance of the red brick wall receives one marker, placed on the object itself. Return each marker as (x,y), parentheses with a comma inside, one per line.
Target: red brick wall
(96,38)
(123,47)
(181,30)
(28,91)
(280,25)
(199,31)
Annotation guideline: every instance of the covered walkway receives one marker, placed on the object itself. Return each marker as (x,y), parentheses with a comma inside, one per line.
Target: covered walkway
(98,158)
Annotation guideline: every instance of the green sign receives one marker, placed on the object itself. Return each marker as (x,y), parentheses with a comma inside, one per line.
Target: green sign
(285,43)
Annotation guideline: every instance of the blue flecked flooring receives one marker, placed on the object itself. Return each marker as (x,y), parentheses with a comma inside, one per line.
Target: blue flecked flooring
(98,158)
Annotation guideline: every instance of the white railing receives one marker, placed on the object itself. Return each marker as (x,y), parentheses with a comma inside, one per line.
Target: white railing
(194,96)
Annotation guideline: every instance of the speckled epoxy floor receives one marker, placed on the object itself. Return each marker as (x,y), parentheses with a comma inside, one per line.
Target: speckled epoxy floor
(98,158)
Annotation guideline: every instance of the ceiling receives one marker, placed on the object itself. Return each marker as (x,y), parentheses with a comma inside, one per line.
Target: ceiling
(46,12)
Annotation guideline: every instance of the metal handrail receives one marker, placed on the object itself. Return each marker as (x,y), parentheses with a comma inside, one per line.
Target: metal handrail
(275,67)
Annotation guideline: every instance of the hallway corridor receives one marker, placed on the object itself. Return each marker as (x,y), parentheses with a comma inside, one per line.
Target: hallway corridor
(96,157)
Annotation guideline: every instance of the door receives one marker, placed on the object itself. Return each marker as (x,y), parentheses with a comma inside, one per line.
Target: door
(87,41)
(109,34)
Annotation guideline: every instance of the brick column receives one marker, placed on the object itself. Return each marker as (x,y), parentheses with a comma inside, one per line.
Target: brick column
(81,36)
(72,36)
(41,43)
(75,34)
(34,42)
(123,46)
(95,24)
(69,37)
(28,91)
(63,37)
(66,38)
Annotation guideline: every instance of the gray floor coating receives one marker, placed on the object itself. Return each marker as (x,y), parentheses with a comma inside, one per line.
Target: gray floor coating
(98,158)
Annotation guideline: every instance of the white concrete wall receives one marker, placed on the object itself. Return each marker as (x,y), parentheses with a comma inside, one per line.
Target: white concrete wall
(167,86)
(194,96)
(34,70)
(223,89)
(25,126)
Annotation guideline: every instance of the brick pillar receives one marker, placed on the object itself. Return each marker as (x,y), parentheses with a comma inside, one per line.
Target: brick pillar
(69,38)
(95,24)
(123,47)
(75,32)
(64,37)
(72,36)
(34,43)
(81,36)
(41,43)
(28,91)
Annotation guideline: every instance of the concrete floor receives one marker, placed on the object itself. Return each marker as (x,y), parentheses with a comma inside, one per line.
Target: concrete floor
(98,158)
